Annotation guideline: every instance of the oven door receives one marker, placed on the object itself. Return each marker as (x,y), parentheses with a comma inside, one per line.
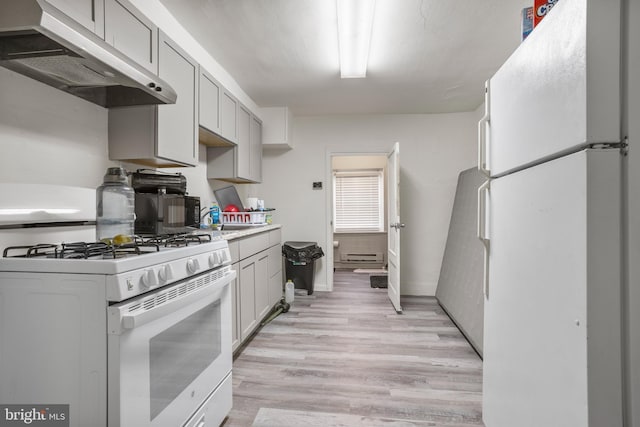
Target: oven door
(169,350)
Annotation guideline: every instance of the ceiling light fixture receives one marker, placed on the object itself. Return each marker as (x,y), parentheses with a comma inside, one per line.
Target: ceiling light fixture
(355,22)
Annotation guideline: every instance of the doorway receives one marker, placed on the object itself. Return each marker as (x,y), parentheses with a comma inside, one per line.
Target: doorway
(358,212)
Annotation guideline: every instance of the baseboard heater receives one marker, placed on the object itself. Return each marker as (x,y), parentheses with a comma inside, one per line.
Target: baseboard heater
(362,257)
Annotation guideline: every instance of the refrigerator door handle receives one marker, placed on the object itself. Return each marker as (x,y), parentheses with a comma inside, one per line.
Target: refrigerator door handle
(482,232)
(482,131)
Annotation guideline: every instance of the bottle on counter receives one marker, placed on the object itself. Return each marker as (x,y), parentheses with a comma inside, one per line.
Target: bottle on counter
(215,214)
(115,205)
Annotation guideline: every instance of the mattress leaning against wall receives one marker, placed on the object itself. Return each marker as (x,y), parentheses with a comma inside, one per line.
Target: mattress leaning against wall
(459,289)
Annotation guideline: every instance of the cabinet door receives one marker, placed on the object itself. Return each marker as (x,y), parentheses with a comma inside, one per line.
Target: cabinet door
(243,150)
(89,13)
(235,311)
(178,123)
(277,127)
(131,33)
(262,285)
(275,275)
(228,116)
(210,91)
(248,320)
(256,149)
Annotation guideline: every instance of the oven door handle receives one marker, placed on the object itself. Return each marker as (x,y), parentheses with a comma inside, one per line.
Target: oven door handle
(120,320)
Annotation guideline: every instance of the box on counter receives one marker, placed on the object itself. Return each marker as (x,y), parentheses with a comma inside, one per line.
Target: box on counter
(531,16)
(542,7)
(527,21)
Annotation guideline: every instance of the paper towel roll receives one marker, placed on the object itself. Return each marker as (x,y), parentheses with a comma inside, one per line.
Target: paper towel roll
(336,243)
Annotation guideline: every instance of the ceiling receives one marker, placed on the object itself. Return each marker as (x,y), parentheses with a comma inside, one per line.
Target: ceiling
(427,56)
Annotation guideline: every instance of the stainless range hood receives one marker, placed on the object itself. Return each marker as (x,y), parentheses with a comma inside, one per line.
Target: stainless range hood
(40,42)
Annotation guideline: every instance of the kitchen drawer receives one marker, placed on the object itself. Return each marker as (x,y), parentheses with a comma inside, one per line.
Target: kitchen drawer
(234,248)
(275,237)
(253,244)
(214,410)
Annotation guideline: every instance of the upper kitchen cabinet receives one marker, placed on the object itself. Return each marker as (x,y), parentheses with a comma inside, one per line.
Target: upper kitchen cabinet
(242,162)
(243,159)
(211,99)
(209,103)
(131,33)
(89,13)
(161,135)
(255,157)
(228,116)
(277,125)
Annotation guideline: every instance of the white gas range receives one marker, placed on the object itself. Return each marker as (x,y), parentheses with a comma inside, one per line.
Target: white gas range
(134,335)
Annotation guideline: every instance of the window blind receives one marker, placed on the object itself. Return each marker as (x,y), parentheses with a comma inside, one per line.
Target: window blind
(358,201)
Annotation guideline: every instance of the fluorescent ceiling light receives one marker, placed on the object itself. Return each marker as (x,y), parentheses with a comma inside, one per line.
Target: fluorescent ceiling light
(20,211)
(355,21)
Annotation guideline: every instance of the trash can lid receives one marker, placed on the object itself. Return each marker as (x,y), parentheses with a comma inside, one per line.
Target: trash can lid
(300,245)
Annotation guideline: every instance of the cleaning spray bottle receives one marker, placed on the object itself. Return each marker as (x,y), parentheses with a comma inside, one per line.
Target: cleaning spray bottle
(215,215)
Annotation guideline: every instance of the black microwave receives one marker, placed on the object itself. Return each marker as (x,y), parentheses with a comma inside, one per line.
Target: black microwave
(158,213)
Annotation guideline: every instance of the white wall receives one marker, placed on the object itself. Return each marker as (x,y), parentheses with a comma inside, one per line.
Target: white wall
(433,150)
(48,136)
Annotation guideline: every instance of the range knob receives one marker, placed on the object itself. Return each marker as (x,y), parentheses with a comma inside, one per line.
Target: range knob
(165,273)
(148,279)
(192,265)
(213,260)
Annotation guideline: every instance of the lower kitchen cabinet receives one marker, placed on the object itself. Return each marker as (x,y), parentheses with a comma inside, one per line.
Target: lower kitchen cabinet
(235,324)
(262,286)
(257,260)
(275,274)
(247,306)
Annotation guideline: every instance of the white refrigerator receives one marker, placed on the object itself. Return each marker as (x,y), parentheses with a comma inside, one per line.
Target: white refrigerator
(550,218)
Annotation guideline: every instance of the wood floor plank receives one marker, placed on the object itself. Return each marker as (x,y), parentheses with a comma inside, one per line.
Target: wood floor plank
(345,358)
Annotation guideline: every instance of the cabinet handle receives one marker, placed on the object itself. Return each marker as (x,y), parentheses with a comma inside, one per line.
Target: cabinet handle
(482,131)
(482,232)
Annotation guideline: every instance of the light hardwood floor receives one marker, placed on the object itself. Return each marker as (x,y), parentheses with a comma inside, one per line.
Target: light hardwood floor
(345,358)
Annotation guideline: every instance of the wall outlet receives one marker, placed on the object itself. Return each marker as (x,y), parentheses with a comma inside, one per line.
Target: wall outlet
(317,185)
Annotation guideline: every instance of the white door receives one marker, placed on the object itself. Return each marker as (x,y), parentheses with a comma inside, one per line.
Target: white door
(560,90)
(393,237)
(552,307)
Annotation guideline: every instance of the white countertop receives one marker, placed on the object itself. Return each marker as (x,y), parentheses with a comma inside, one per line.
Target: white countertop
(244,232)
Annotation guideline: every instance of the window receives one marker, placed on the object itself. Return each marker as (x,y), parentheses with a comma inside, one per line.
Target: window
(358,201)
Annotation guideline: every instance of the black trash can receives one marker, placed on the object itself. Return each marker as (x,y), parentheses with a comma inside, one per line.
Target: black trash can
(300,261)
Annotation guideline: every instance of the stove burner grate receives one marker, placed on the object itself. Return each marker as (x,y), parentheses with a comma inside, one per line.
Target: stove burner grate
(83,250)
(32,251)
(179,240)
(92,250)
